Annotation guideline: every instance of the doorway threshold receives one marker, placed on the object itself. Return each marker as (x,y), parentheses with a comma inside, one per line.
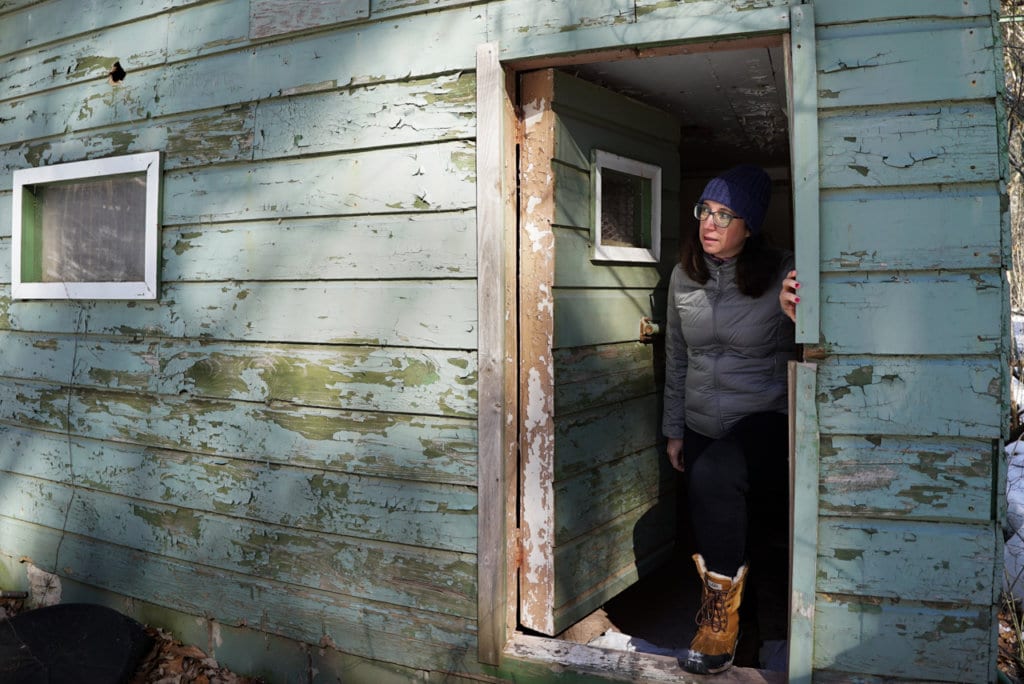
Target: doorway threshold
(625,666)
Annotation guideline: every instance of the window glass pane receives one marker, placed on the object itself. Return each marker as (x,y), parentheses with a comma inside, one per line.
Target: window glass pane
(623,203)
(92,230)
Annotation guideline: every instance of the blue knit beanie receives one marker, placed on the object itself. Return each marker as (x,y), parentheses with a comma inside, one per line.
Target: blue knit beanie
(746,189)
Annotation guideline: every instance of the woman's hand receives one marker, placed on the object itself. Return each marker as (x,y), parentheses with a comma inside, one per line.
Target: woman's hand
(787,295)
(675,453)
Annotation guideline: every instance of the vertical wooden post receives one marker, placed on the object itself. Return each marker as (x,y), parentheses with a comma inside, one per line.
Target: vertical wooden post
(802,72)
(803,535)
(491,206)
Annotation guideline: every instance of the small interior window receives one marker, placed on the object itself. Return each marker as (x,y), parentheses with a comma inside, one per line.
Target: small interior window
(87,230)
(627,209)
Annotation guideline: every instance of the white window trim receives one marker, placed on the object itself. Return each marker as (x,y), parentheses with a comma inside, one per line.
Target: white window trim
(602,252)
(149,162)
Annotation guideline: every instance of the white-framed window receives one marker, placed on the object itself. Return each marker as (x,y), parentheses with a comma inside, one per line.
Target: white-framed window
(627,208)
(87,230)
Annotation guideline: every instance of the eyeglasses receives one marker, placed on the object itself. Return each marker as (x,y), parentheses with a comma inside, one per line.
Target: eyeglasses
(721,218)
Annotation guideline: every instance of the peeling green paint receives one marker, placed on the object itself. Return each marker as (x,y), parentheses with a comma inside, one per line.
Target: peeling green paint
(862,170)
(848,554)
(83,65)
(177,522)
(861,377)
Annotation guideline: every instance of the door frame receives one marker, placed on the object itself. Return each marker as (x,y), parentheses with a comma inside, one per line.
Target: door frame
(498,134)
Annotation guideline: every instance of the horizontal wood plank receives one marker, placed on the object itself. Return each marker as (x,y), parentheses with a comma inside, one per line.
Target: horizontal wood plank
(320,61)
(595,567)
(937,478)
(386,114)
(276,17)
(953,143)
(601,494)
(915,561)
(371,629)
(912,66)
(435,177)
(911,396)
(395,446)
(66,18)
(362,565)
(414,381)
(347,248)
(600,316)
(902,640)
(912,313)
(874,230)
(595,437)
(843,11)
(589,377)
(400,313)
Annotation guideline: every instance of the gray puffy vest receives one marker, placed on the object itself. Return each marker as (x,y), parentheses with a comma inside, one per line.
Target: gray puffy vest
(725,353)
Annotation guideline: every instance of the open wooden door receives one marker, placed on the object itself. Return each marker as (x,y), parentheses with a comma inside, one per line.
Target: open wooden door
(597,503)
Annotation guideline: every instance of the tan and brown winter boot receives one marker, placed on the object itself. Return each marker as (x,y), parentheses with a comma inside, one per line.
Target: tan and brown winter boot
(718,621)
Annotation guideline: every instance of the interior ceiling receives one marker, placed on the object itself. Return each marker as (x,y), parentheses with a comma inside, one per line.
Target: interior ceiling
(731,103)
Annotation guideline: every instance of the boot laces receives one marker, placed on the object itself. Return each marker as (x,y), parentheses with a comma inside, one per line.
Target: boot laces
(712,609)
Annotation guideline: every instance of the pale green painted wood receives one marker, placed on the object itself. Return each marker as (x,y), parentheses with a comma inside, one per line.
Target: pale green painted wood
(381,445)
(65,18)
(674,23)
(902,640)
(699,8)
(924,478)
(947,143)
(599,495)
(590,377)
(385,247)
(844,11)
(910,396)
(804,157)
(915,561)
(912,66)
(912,313)
(803,538)
(412,381)
(600,316)
(369,629)
(363,566)
(271,18)
(926,228)
(618,553)
(321,61)
(592,439)
(575,269)
(436,108)
(434,177)
(359,312)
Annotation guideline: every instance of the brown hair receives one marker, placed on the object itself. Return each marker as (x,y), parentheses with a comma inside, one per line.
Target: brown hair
(757,264)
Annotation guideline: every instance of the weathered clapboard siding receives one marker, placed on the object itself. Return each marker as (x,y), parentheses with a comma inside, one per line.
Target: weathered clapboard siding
(369,568)
(924,478)
(332,312)
(603,375)
(866,556)
(895,313)
(878,230)
(352,118)
(368,628)
(902,640)
(911,392)
(421,381)
(402,446)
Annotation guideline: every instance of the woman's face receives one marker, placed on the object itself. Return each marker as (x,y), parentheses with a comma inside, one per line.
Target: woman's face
(723,244)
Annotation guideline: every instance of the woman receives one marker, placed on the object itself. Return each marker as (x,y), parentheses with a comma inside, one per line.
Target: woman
(727,348)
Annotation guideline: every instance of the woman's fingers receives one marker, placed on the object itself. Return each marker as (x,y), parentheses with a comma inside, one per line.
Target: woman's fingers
(788,298)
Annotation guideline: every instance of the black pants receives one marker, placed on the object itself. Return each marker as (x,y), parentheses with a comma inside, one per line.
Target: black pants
(737,490)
